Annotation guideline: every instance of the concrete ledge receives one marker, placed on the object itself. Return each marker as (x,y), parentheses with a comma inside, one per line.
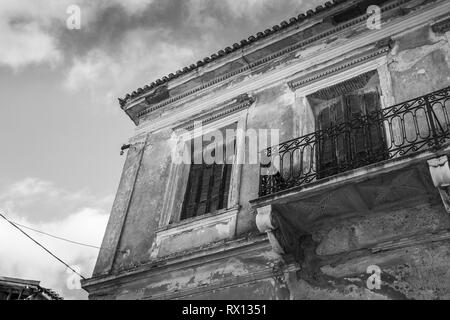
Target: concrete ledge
(195,232)
(179,261)
(348,177)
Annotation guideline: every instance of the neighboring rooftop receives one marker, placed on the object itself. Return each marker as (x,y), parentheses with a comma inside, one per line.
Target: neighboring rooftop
(21,289)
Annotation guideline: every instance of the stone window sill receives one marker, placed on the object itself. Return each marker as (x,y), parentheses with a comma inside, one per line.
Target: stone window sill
(195,232)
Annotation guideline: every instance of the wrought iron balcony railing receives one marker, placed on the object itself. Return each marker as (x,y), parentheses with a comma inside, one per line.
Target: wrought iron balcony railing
(409,127)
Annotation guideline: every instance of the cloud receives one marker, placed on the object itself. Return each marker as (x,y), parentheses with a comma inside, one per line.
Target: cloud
(134,6)
(77,216)
(125,44)
(26,42)
(41,201)
(30,187)
(24,259)
(113,74)
(29,28)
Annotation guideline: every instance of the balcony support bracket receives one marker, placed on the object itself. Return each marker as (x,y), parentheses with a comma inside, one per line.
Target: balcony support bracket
(266,223)
(440,174)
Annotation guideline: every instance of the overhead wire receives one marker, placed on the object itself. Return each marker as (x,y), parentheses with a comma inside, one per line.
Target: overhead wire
(40,245)
(57,237)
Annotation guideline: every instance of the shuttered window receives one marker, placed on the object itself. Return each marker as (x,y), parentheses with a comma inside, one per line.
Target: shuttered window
(208,187)
(346,142)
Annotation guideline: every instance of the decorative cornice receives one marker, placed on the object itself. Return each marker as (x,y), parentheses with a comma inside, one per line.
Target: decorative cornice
(252,65)
(441,26)
(415,240)
(193,258)
(243,102)
(301,18)
(288,72)
(295,84)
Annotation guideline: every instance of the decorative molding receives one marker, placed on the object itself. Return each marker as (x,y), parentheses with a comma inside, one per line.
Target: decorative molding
(181,261)
(252,65)
(270,272)
(440,174)
(264,220)
(197,222)
(295,84)
(338,77)
(247,46)
(440,171)
(412,241)
(241,102)
(179,173)
(390,28)
(216,124)
(239,158)
(265,223)
(441,26)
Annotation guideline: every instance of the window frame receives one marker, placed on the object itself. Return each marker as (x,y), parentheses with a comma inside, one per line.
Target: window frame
(379,64)
(225,176)
(179,173)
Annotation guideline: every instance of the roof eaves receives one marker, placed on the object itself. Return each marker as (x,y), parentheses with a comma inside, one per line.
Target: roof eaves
(236,46)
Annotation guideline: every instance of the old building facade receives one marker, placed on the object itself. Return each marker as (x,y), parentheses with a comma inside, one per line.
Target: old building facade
(359,94)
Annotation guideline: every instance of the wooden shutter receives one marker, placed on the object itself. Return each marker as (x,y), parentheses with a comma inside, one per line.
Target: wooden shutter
(375,129)
(355,111)
(216,188)
(326,148)
(226,185)
(341,141)
(192,190)
(207,190)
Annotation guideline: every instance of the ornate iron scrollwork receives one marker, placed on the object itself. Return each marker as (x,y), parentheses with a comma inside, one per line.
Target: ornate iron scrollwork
(412,126)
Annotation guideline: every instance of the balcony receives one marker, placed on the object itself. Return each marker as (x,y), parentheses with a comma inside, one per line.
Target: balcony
(385,164)
(395,132)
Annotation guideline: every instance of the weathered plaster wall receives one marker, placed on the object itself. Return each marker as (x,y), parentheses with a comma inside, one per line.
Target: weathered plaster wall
(119,211)
(408,242)
(419,63)
(413,272)
(144,209)
(255,268)
(334,265)
(271,288)
(274,108)
(355,234)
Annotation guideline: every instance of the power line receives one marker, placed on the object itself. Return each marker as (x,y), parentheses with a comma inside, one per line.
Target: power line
(40,245)
(56,237)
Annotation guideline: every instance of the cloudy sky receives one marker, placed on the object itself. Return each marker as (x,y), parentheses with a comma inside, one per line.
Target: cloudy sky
(61,126)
